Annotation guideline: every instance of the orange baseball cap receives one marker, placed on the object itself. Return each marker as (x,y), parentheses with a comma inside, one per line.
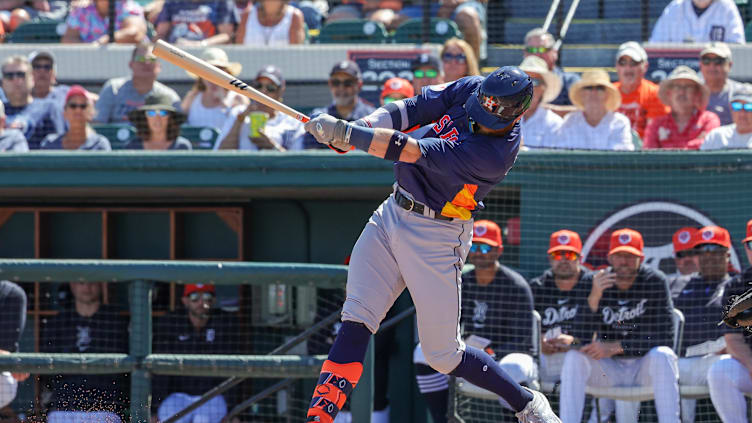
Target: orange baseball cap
(397,85)
(749,231)
(713,235)
(487,232)
(626,240)
(565,240)
(199,287)
(684,238)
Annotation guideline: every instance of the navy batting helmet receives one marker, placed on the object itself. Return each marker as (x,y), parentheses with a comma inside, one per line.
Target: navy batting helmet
(504,95)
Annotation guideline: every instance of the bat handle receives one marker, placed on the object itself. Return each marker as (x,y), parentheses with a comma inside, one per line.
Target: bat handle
(303,118)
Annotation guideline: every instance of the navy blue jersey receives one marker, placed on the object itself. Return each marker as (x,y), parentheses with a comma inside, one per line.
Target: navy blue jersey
(701,302)
(457,168)
(563,309)
(640,317)
(500,311)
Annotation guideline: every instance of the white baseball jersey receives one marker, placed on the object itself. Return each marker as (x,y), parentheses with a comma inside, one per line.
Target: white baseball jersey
(679,23)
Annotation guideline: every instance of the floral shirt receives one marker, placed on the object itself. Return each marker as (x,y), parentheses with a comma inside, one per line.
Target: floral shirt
(91,26)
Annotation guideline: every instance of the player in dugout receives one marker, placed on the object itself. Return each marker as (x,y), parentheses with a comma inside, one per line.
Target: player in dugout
(420,236)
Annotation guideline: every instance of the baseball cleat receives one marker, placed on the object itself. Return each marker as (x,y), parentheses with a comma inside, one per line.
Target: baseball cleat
(537,410)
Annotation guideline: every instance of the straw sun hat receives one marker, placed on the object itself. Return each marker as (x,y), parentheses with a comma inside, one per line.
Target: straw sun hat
(536,65)
(595,77)
(683,73)
(217,57)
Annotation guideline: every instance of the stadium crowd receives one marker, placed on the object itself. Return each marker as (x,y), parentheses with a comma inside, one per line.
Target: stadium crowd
(585,311)
(687,110)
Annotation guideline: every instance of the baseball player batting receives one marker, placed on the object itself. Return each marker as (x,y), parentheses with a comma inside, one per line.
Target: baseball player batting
(419,237)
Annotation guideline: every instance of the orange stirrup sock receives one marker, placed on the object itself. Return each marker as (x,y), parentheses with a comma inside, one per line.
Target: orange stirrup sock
(336,382)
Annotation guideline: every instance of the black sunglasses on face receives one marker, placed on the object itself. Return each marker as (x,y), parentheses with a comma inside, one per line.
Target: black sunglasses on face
(686,253)
(11,75)
(347,83)
(47,67)
(713,60)
(594,88)
(75,106)
(270,88)
(459,58)
(195,296)
(627,62)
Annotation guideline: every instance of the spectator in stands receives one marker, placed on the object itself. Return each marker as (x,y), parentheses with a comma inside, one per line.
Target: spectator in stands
(639,97)
(384,11)
(540,43)
(715,65)
(90,23)
(685,259)
(13,13)
(699,21)
(121,95)
(596,125)
(470,16)
(731,376)
(259,127)
(560,295)
(11,140)
(44,74)
(78,112)
(13,318)
(630,308)
(497,306)
(396,89)
(737,135)
(345,84)
(701,301)
(538,124)
(689,122)
(36,119)
(157,125)
(198,329)
(427,70)
(89,326)
(189,23)
(271,23)
(458,60)
(209,104)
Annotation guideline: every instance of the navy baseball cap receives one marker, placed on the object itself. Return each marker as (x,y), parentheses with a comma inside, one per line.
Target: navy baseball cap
(272,73)
(426,59)
(346,66)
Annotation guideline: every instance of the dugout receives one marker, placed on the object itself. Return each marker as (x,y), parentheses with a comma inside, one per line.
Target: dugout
(310,207)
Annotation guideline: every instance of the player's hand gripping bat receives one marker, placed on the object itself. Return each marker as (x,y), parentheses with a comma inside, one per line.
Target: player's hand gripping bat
(219,77)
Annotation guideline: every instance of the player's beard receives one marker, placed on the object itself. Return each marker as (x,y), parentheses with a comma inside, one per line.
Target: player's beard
(344,100)
(564,271)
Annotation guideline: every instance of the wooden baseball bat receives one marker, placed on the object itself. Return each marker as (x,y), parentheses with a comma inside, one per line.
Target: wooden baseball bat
(219,77)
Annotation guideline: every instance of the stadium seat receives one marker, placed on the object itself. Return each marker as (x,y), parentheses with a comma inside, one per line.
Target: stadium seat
(441,30)
(119,134)
(44,31)
(202,137)
(515,29)
(353,31)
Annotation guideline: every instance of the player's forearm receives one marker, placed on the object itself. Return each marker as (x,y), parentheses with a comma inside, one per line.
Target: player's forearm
(384,143)
(739,349)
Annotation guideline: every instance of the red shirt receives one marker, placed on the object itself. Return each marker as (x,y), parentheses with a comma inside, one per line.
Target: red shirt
(641,105)
(662,131)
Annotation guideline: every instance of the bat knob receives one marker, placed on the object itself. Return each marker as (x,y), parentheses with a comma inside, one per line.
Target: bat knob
(320,128)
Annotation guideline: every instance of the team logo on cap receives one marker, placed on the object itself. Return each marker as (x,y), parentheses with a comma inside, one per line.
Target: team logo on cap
(490,104)
(563,239)
(625,239)
(684,237)
(395,84)
(199,285)
(480,230)
(707,235)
